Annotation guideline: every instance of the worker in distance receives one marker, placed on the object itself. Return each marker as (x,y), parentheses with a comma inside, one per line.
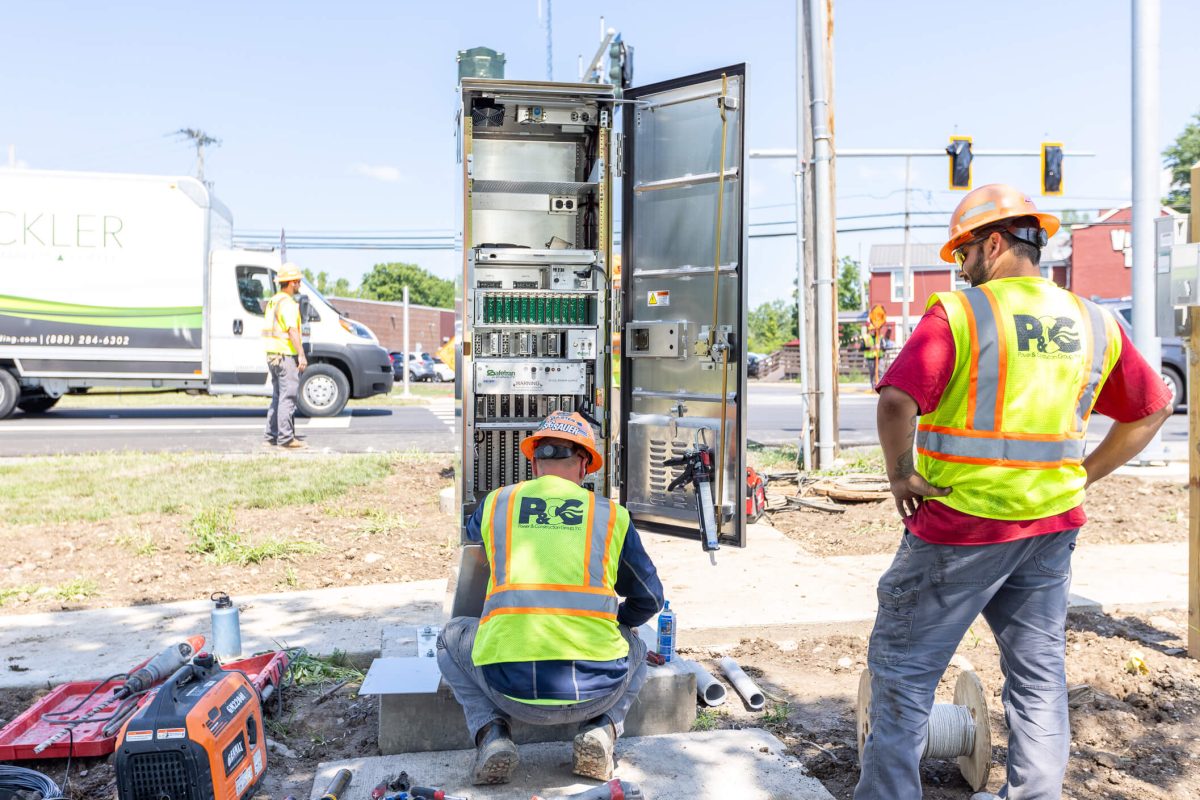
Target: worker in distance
(555,644)
(994,391)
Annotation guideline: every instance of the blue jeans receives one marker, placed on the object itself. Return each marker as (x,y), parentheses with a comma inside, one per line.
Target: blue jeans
(928,599)
(482,704)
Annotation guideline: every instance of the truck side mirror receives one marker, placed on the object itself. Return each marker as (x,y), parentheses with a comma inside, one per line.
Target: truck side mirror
(307,312)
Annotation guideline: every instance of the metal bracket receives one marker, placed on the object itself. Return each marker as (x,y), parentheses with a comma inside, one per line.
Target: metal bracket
(727,102)
(618,159)
(604,118)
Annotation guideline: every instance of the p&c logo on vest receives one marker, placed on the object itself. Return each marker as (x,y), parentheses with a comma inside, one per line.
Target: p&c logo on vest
(550,512)
(1053,337)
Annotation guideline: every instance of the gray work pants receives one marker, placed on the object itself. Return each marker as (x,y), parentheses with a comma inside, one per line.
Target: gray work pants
(482,704)
(285,388)
(928,599)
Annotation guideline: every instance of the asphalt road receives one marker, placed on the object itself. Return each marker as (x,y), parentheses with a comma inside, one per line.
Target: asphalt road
(772,411)
(224,429)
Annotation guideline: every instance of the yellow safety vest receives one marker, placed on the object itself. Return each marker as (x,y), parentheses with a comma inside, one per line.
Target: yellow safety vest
(1008,434)
(554,548)
(283,312)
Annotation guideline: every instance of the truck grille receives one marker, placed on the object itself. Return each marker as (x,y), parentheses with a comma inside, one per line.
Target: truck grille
(158,776)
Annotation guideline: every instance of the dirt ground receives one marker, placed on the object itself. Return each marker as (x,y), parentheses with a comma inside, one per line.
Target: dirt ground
(1120,510)
(1133,735)
(390,531)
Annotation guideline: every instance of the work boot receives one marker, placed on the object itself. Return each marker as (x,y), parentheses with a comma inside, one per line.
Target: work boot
(294,444)
(592,755)
(495,755)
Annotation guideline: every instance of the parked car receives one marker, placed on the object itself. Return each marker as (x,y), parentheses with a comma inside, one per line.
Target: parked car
(754,363)
(418,370)
(1174,358)
(441,371)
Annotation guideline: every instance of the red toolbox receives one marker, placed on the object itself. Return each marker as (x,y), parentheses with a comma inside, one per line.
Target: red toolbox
(19,737)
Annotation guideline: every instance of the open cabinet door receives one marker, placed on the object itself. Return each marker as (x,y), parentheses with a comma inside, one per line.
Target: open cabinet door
(683,371)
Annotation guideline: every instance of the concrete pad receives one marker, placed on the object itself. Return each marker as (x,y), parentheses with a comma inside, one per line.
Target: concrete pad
(419,722)
(54,647)
(748,764)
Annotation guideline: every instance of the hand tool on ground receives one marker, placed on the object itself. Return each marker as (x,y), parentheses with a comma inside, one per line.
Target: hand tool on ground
(200,738)
(697,463)
(137,682)
(613,790)
(426,793)
(339,784)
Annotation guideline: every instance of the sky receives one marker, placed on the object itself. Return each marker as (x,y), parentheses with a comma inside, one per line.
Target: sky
(340,116)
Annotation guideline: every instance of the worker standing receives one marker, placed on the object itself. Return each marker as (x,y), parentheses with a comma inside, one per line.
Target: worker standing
(285,359)
(994,388)
(871,348)
(554,644)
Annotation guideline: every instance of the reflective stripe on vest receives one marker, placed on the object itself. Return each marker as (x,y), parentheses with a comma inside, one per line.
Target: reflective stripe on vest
(525,599)
(1030,453)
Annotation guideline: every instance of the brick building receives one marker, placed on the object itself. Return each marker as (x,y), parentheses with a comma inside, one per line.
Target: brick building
(1101,261)
(429,327)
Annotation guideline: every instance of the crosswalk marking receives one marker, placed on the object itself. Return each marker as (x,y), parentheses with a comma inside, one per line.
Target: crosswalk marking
(443,410)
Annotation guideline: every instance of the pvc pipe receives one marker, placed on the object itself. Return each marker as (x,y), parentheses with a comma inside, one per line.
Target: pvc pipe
(710,690)
(741,682)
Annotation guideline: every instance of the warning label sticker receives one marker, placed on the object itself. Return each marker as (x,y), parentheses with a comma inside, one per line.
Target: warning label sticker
(662,297)
(139,736)
(170,733)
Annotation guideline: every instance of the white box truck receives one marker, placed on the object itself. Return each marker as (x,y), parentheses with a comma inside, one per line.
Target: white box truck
(131,281)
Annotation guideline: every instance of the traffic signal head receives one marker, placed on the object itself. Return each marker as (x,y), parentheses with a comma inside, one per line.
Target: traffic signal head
(959,150)
(1052,176)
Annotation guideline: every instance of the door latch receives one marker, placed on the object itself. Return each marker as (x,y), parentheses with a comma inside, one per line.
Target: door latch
(237,327)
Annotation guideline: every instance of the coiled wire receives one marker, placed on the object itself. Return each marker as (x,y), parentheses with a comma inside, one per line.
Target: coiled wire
(951,732)
(21,779)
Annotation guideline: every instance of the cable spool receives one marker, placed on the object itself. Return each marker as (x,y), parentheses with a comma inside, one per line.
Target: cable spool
(958,730)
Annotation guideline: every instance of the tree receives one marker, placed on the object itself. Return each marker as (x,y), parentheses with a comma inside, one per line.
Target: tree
(387,282)
(339,288)
(1180,158)
(771,325)
(850,286)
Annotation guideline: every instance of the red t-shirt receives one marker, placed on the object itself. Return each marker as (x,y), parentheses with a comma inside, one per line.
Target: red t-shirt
(922,371)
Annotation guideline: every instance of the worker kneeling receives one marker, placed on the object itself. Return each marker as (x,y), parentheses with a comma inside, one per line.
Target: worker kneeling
(554,645)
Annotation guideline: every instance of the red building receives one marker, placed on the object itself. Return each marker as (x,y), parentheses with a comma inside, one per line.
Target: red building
(886,282)
(1101,265)
(428,328)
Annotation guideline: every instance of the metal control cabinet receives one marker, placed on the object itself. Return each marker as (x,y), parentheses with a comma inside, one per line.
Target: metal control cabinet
(539,165)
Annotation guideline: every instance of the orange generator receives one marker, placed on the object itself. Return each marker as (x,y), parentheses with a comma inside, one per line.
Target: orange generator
(200,738)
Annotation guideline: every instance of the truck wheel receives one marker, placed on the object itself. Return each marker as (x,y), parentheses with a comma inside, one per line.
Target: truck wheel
(37,404)
(10,393)
(324,391)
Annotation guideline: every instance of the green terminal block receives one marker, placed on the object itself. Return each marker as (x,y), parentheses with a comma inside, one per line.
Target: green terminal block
(508,309)
(539,310)
(526,314)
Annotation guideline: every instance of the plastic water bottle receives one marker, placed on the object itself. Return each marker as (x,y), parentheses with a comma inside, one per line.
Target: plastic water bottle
(666,632)
(226,628)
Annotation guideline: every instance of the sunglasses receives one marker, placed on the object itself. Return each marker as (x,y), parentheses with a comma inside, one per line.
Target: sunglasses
(960,254)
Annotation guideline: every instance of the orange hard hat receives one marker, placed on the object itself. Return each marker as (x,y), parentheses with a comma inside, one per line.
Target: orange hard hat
(570,427)
(987,206)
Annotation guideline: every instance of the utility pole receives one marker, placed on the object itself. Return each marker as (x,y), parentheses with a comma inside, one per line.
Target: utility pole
(200,139)
(806,454)
(1146,201)
(818,32)
(907,265)
(407,354)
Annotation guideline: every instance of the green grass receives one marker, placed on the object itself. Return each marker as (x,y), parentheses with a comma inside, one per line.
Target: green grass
(707,719)
(11,592)
(138,545)
(213,536)
(776,715)
(309,669)
(79,588)
(64,489)
(76,589)
(852,377)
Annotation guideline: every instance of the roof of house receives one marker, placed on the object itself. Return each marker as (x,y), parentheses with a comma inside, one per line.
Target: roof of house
(891,256)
